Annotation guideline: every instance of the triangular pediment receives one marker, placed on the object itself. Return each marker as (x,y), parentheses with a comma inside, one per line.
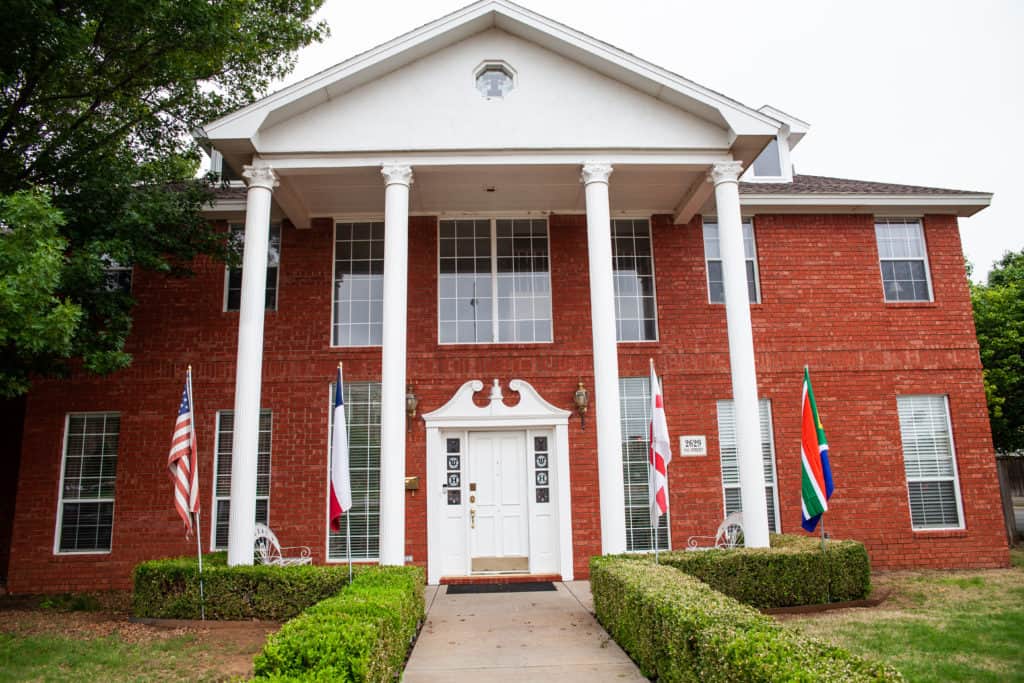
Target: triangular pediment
(417,93)
(433,104)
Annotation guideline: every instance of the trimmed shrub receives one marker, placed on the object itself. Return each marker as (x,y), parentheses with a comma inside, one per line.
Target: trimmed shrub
(362,634)
(794,571)
(677,628)
(169,589)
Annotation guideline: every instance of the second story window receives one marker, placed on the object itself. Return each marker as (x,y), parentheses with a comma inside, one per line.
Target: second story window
(768,163)
(713,256)
(903,260)
(233,286)
(494,281)
(633,265)
(358,284)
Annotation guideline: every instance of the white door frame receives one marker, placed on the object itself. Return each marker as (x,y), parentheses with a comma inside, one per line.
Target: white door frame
(461,413)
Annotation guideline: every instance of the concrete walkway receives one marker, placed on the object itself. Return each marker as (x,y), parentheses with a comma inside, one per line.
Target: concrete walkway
(542,636)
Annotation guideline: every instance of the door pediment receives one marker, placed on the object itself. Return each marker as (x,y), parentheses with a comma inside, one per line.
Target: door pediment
(462,411)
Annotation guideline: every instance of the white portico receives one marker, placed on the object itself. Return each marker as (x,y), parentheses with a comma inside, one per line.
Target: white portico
(577,127)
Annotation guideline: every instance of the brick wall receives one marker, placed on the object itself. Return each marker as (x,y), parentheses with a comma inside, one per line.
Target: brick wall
(822,305)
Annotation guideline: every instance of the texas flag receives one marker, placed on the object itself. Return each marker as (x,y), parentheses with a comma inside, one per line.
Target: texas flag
(341,487)
(660,451)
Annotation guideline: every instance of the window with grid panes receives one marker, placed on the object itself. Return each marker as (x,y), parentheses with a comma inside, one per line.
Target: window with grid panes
(362,417)
(233,286)
(222,474)
(930,462)
(494,281)
(635,413)
(633,266)
(902,258)
(713,259)
(86,518)
(358,284)
(730,461)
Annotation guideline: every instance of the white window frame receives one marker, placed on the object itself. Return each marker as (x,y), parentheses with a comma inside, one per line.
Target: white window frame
(654,282)
(667,518)
(747,220)
(952,454)
(60,488)
(216,499)
(334,276)
(495,318)
(277,274)
(767,420)
(785,165)
(328,558)
(905,220)
(112,267)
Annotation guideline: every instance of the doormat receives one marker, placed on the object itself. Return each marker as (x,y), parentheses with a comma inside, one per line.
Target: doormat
(525,587)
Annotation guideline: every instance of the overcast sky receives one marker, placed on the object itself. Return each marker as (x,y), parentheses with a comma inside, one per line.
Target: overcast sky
(923,92)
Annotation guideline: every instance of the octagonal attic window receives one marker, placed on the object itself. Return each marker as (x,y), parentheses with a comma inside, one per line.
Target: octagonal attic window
(494,81)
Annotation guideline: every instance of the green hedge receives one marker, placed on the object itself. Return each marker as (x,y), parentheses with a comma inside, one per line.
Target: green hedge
(794,571)
(170,589)
(679,629)
(362,634)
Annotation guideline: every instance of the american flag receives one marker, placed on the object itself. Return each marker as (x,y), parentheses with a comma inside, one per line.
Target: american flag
(183,459)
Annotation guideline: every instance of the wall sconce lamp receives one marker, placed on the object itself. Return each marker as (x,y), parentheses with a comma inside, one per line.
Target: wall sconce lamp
(410,406)
(581,399)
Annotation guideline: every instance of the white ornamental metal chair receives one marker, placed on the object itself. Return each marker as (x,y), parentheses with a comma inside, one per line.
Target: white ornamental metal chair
(729,535)
(268,550)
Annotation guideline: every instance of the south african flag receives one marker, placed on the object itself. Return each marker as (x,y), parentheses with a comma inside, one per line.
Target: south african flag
(816,478)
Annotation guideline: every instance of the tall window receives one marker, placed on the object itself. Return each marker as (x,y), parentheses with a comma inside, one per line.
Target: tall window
(358,284)
(362,417)
(713,256)
(635,410)
(930,462)
(633,263)
(494,281)
(222,476)
(730,461)
(233,287)
(903,260)
(85,519)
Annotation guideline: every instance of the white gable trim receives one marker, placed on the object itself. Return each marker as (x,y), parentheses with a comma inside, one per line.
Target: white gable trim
(638,73)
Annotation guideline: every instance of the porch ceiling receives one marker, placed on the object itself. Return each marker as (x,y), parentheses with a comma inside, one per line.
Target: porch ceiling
(476,188)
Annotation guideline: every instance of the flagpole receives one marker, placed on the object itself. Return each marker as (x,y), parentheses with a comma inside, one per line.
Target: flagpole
(655,518)
(348,517)
(198,524)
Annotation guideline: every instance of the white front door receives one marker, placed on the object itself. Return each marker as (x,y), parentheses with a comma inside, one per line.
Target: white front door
(498,506)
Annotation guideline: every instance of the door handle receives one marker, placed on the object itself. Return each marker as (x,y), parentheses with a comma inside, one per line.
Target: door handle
(472,518)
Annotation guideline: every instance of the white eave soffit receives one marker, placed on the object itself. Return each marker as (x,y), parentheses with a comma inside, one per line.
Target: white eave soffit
(639,74)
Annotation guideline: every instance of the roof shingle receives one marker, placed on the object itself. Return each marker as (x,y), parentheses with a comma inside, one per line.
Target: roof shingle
(815,184)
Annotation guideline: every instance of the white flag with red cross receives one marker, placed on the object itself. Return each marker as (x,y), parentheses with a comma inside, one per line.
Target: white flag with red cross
(660,453)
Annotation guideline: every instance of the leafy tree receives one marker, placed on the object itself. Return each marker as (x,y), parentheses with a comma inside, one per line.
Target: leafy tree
(98,103)
(999,319)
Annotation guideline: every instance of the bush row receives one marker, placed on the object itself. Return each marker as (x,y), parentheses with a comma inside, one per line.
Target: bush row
(362,634)
(170,589)
(793,571)
(677,628)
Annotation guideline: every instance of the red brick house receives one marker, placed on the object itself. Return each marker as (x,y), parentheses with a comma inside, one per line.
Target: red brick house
(478,218)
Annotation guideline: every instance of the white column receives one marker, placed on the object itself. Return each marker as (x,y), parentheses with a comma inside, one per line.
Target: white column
(725,176)
(392,394)
(249,368)
(606,359)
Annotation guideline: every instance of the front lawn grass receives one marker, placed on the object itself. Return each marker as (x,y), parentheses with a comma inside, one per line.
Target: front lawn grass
(938,626)
(57,658)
